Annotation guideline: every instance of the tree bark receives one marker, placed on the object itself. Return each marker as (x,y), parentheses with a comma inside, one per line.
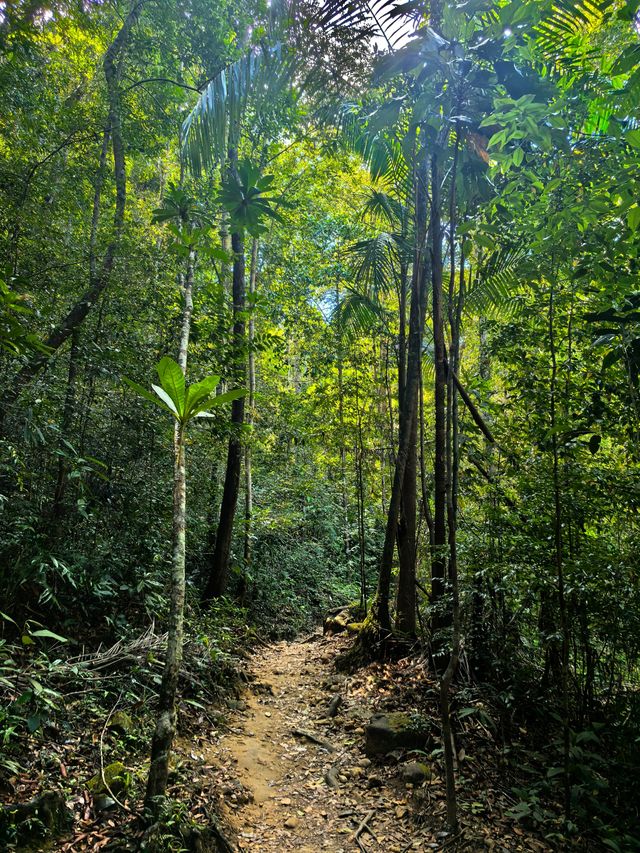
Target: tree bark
(438,564)
(219,568)
(406,535)
(167,717)
(407,542)
(380,608)
(248,471)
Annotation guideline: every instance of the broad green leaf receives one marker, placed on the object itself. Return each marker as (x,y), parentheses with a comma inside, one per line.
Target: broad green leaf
(147,395)
(633,218)
(633,138)
(212,402)
(200,391)
(43,632)
(228,397)
(166,399)
(172,381)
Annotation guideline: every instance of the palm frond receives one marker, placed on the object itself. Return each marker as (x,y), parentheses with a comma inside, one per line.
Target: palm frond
(205,130)
(568,22)
(260,74)
(382,153)
(358,314)
(374,263)
(385,19)
(498,284)
(381,205)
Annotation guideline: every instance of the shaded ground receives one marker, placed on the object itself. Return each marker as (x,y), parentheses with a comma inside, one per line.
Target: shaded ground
(281,773)
(275,794)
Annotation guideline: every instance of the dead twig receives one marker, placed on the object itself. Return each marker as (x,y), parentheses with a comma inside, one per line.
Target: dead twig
(364,826)
(305,735)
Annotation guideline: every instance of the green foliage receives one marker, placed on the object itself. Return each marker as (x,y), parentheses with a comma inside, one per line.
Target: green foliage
(244,196)
(184,404)
(14,336)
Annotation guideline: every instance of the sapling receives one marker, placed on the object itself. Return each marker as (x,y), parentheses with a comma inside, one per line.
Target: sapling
(184,404)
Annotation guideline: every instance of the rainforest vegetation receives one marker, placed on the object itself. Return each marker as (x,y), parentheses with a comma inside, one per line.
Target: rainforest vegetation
(307,304)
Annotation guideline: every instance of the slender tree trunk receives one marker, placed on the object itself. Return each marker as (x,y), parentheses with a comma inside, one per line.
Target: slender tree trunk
(453,465)
(248,471)
(438,564)
(112,67)
(167,717)
(219,569)
(426,500)
(406,535)
(478,652)
(187,311)
(407,539)
(559,560)
(343,443)
(381,612)
(359,459)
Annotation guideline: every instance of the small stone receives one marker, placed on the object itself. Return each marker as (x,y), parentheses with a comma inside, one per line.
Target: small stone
(396,731)
(116,778)
(104,803)
(415,772)
(121,722)
(375,782)
(291,822)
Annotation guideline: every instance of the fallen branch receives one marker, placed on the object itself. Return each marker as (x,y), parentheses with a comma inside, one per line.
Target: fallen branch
(305,735)
(364,825)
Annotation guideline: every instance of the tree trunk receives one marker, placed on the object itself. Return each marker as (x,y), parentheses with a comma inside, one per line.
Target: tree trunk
(219,569)
(409,406)
(359,460)
(248,473)
(453,465)
(407,542)
(167,716)
(438,564)
(559,561)
(187,311)
(343,443)
(166,721)
(406,535)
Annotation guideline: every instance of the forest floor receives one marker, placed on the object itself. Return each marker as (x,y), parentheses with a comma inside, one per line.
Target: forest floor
(282,770)
(290,777)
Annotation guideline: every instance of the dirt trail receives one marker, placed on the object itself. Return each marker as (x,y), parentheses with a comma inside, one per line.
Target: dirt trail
(268,772)
(273,775)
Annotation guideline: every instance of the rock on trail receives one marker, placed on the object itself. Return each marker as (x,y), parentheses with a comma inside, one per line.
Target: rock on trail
(295,778)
